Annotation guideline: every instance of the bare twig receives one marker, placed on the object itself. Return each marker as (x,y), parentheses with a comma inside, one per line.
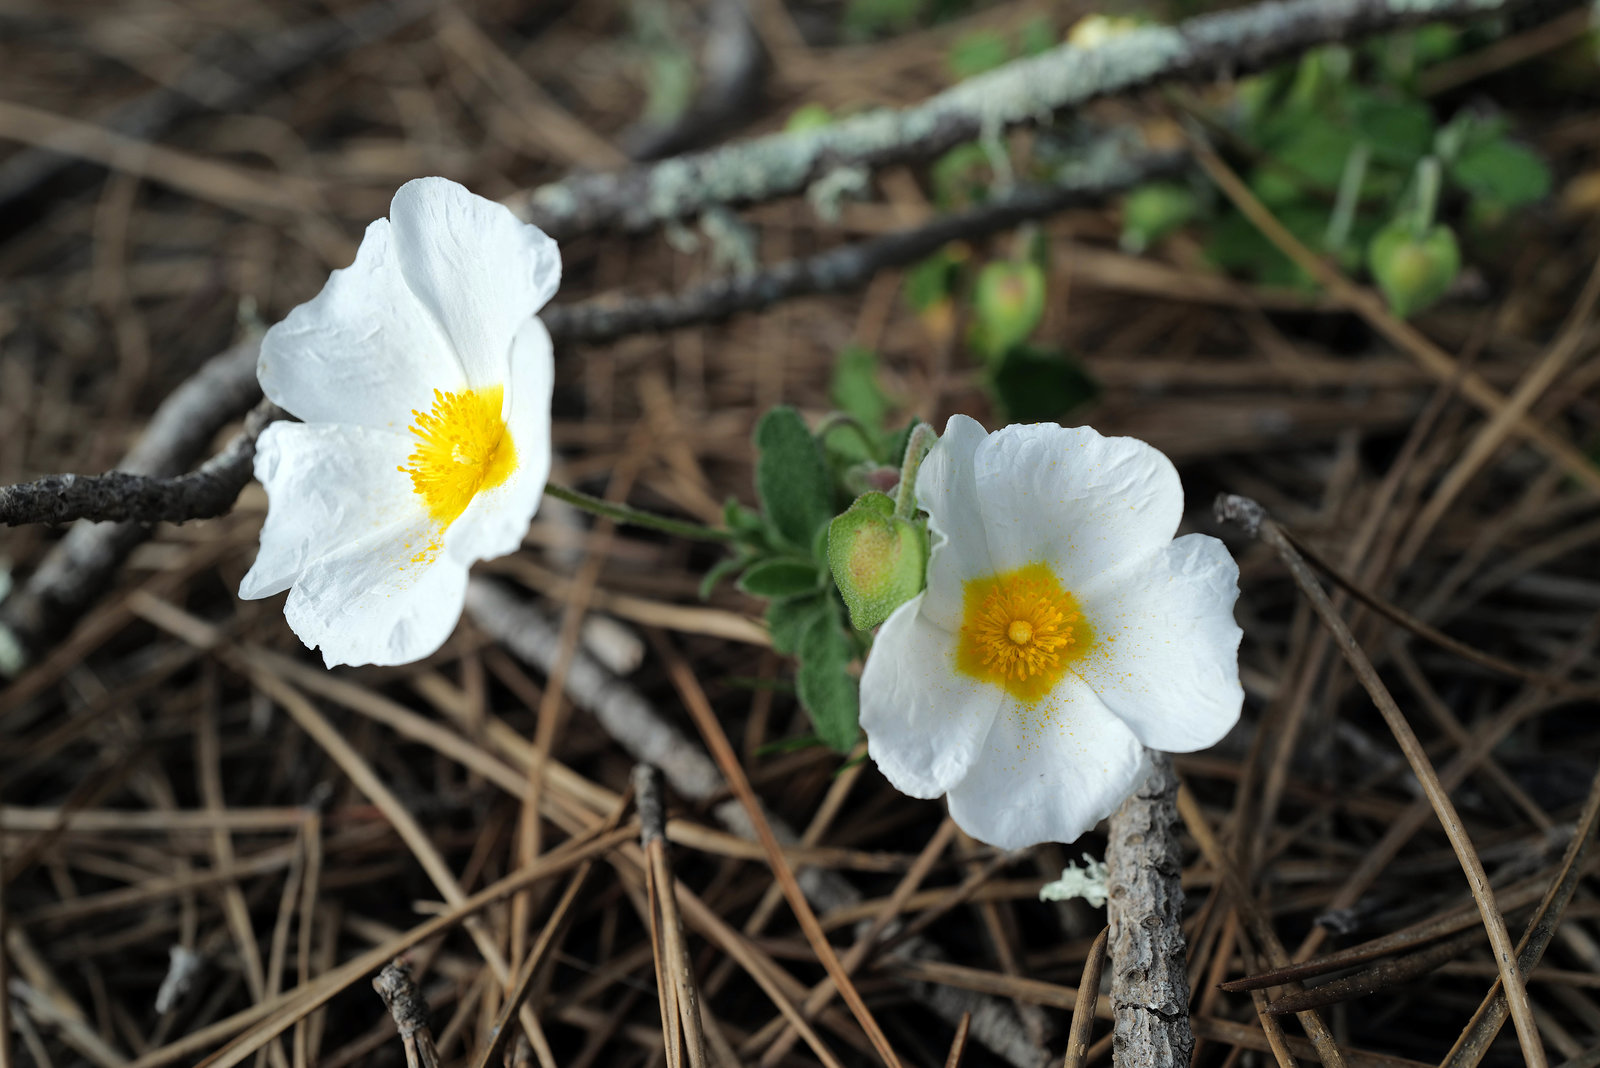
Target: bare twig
(78,568)
(118,496)
(1149,983)
(399,992)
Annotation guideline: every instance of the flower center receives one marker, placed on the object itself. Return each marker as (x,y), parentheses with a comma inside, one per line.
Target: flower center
(1020,630)
(462,447)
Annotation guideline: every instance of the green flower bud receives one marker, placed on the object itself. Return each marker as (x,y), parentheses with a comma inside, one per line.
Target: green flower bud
(1413,271)
(879,561)
(1009,300)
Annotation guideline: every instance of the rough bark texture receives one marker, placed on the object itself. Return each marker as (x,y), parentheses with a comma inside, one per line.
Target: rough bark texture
(1149,986)
(1021,92)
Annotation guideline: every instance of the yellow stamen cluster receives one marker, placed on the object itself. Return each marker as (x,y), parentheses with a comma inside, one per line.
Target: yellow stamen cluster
(1020,630)
(463,447)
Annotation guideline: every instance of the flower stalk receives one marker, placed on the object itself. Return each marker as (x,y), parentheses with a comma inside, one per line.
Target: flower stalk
(622,513)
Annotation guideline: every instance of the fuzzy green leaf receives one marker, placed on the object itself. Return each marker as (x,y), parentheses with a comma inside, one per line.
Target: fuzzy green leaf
(831,695)
(787,620)
(781,578)
(792,478)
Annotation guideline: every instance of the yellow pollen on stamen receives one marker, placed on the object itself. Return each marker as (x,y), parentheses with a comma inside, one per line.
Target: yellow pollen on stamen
(463,448)
(1020,630)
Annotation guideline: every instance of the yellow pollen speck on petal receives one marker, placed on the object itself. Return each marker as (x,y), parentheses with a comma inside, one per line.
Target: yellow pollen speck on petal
(463,448)
(1020,630)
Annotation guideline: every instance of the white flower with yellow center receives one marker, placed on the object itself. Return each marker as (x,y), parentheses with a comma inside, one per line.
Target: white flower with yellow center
(422,379)
(1062,631)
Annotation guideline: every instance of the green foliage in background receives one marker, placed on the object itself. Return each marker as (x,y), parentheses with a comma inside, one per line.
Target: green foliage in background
(1337,145)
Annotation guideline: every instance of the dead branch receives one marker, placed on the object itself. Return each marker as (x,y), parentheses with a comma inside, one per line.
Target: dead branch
(1149,986)
(1022,92)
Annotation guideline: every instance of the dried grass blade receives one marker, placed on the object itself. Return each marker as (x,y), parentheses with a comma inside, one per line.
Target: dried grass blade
(1491,1015)
(728,761)
(1494,923)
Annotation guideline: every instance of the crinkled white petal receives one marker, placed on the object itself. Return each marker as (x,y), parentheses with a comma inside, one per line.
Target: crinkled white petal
(924,720)
(1166,647)
(478,270)
(497,519)
(363,351)
(1066,496)
(947,491)
(388,597)
(1048,772)
(326,486)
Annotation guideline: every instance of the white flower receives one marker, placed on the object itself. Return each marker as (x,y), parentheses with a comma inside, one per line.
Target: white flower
(1061,632)
(423,381)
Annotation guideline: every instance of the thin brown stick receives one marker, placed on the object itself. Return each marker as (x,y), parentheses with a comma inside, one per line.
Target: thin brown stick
(1255,519)
(1083,1012)
(1378,977)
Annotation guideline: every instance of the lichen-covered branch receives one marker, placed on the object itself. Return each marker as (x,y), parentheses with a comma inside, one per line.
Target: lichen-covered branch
(1024,91)
(1149,986)
(117,496)
(1110,165)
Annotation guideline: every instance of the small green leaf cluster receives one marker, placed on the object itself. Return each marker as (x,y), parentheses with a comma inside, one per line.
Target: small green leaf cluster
(785,554)
(1338,143)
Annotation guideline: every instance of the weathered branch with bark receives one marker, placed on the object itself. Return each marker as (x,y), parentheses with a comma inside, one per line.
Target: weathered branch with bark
(1149,984)
(1022,92)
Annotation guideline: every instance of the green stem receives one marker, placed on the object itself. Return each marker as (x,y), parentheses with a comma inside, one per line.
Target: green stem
(922,439)
(1344,208)
(622,513)
(1428,178)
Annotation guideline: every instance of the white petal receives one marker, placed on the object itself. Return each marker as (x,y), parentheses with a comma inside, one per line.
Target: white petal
(480,271)
(1166,653)
(1049,772)
(497,519)
(326,485)
(1080,502)
(946,490)
(389,597)
(924,721)
(362,351)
